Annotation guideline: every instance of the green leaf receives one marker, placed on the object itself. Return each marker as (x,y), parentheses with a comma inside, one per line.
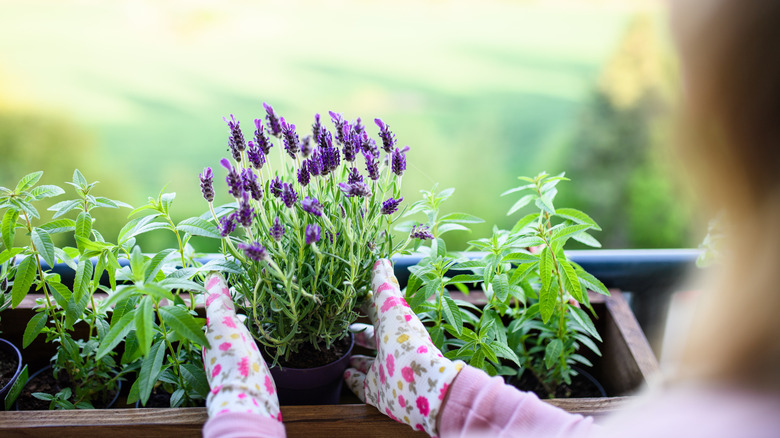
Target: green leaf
(47,191)
(59,226)
(546,265)
(44,245)
(105,202)
(524,222)
(563,233)
(571,280)
(184,324)
(171,283)
(452,314)
(63,207)
(144,319)
(60,292)
(590,282)
(546,202)
(547,300)
(25,275)
(28,181)
(465,278)
(156,264)
(137,263)
(577,216)
(8,254)
(500,285)
(157,292)
(26,207)
(522,271)
(139,226)
(34,327)
(460,218)
(502,350)
(552,352)
(522,202)
(199,227)
(584,321)
(195,376)
(150,369)
(119,329)
(520,257)
(83,228)
(9,227)
(588,342)
(78,179)
(587,239)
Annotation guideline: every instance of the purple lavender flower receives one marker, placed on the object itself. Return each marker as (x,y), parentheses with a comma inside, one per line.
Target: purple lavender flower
(227,224)
(330,160)
(273,121)
(314,163)
(288,195)
(303,174)
(351,144)
(372,166)
(354,176)
(316,127)
(276,187)
(390,206)
(313,233)
(306,147)
(355,189)
(358,126)
(312,206)
(245,212)
(420,232)
(233,179)
(207,184)
(254,251)
(388,138)
(251,185)
(324,138)
(277,230)
(342,126)
(290,138)
(261,140)
(236,140)
(399,161)
(256,155)
(343,213)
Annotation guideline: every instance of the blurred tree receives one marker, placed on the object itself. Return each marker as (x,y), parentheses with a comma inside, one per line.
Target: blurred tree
(616,162)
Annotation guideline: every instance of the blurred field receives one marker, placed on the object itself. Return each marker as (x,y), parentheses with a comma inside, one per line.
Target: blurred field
(481,91)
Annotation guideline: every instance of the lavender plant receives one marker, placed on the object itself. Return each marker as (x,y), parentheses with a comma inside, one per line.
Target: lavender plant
(308,230)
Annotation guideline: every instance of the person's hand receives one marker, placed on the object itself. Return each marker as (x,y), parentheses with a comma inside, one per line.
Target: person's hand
(237,374)
(409,377)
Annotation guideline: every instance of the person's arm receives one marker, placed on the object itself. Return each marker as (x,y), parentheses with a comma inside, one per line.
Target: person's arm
(480,405)
(243,400)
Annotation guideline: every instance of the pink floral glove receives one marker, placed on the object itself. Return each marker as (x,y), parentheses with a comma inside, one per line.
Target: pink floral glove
(237,374)
(409,377)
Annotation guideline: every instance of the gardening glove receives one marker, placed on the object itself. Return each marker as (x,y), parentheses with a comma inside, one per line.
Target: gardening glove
(409,377)
(238,376)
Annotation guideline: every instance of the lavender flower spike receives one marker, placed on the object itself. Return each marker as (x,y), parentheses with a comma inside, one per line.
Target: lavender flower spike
(390,206)
(251,185)
(273,120)
(355,189)
(354,176)
(245,212)
(233,179)
(290,138)
(398,161)
(372,166)
(312,206)
(288,195)
(276,187)
(420,232)
(388,138)
(303,174)
(261,139)
(313,233)
(227,224)
(207,184)
(277,230)
(256,155)
(236,140)
(254,251)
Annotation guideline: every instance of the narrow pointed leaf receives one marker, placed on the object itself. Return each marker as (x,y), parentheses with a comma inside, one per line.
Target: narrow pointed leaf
(144,319)
(9,227)
(552,352)
(184,324)
(522,202)
(28,181)
(46,191)
(199,227)
(25,275)
(150,370)
(34,327)
(44,245)
(117,333)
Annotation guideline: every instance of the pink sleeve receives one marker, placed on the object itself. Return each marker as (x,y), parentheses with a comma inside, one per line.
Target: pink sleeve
(242,425)
(480,405)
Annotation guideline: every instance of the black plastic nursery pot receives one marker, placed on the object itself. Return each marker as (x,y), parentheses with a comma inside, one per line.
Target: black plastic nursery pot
(312,386)
(12,360)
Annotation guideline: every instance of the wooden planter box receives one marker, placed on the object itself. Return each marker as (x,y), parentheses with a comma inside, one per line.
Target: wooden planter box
(627,364)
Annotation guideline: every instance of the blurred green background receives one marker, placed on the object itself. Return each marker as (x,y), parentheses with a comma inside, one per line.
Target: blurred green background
(133,94)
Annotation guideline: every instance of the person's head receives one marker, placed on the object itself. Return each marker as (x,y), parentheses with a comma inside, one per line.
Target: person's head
(730,61)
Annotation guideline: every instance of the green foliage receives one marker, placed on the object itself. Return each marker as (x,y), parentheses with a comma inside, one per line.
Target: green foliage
(533,318)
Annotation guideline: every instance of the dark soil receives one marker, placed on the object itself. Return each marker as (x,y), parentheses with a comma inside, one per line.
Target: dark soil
(161,399)
(45,382)
(309,356)
(8,365)
(581,387)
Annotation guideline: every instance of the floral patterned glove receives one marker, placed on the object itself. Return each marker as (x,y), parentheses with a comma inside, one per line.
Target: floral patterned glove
(409,377)
(237,374)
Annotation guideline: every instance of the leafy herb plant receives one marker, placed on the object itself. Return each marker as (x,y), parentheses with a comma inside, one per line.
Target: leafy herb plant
(307,230)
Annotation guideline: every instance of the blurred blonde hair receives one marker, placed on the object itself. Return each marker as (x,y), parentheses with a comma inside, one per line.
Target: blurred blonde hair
(731,149)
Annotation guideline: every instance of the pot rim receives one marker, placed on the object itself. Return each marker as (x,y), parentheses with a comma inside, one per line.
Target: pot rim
(7,345)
